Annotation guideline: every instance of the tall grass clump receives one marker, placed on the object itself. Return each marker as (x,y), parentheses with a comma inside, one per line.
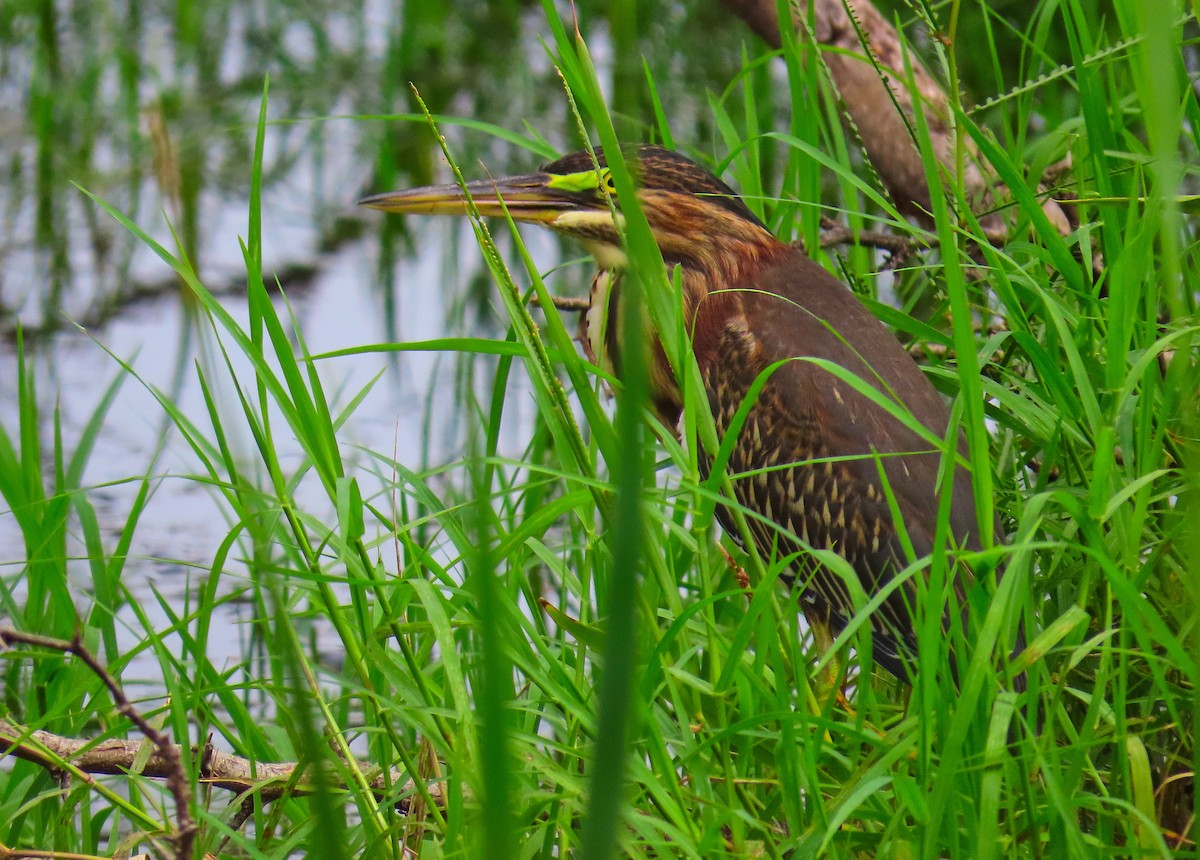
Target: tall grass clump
(547,653)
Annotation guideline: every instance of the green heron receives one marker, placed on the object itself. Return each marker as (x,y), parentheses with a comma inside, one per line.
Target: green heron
(810,457)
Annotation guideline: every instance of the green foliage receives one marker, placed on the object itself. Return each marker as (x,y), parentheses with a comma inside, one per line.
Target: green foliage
(552,647)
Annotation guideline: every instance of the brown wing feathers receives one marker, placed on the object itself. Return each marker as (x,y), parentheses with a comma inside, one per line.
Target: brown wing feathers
(808,457)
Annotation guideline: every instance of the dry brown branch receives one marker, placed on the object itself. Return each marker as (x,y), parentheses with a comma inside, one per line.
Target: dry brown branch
(833,233)
(871,71)
(568,303)
(115,756)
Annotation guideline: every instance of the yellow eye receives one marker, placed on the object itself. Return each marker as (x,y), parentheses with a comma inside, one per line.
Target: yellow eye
(608,182)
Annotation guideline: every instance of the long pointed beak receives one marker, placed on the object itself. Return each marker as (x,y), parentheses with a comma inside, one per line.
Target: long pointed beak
(528,198)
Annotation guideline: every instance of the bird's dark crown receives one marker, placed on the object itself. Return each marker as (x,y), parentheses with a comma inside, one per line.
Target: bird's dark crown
(656,168)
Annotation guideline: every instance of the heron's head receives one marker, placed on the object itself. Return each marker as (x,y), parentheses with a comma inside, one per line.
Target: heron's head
(694,215)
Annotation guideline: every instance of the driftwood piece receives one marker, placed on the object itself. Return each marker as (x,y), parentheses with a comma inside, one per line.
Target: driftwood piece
(116,756)
(881,106)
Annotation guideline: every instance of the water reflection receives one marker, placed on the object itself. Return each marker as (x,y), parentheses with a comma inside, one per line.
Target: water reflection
(155,114)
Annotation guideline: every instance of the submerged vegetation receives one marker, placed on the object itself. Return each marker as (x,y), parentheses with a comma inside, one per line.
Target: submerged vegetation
(517,617)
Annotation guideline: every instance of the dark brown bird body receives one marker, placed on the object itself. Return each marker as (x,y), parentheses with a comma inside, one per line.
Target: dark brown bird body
(810,461)
(810,454)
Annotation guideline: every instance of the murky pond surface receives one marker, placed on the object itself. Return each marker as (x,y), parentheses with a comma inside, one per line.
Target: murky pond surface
(154,111)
